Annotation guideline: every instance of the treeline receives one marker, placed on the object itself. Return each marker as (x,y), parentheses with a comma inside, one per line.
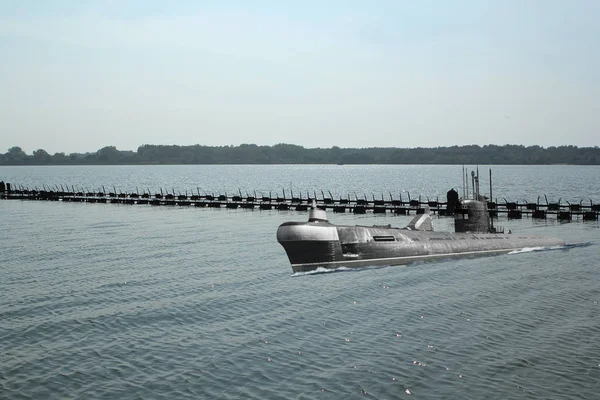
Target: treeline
(293,154)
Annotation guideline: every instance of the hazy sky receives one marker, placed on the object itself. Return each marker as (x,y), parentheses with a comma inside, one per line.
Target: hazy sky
(79,75)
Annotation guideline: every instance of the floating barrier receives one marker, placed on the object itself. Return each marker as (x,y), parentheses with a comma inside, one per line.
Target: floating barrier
(397,206)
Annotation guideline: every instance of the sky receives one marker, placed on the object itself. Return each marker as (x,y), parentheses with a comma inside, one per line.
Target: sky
(76,76)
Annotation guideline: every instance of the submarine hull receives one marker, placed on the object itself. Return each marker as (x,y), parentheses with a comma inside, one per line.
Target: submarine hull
(320,244)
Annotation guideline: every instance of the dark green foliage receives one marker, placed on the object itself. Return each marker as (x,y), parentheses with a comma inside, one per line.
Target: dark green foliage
(292,154)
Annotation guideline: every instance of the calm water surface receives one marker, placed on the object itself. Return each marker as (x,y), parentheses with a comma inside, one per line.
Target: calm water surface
(117,301)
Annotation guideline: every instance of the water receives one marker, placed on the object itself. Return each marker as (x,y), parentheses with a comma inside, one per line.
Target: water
(119,301)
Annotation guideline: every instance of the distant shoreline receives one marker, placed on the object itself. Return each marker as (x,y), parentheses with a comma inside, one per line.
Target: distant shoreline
(286,154)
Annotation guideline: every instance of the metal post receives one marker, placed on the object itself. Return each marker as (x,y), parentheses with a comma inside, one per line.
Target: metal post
(491,197)
(466,180)
(464,193)
(477,180)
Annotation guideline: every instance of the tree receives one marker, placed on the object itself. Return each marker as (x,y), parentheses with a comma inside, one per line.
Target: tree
(16,155)
(60,158)
(40,156)
(108,155)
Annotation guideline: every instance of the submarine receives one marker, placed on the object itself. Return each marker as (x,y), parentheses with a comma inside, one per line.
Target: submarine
(318,243)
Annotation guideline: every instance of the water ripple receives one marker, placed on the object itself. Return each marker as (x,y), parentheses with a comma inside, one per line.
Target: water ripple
(182,303)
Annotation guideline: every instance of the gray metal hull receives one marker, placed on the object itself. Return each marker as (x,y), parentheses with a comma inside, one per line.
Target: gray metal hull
(312,245)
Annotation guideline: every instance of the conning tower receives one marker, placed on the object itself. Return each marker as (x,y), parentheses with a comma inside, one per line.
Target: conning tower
(472,216)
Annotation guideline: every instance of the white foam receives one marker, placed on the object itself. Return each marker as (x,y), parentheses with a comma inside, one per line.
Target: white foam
(530,249)
(321,270)
(527,250)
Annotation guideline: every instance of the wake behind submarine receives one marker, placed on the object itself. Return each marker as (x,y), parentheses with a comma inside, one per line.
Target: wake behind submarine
(321,244)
